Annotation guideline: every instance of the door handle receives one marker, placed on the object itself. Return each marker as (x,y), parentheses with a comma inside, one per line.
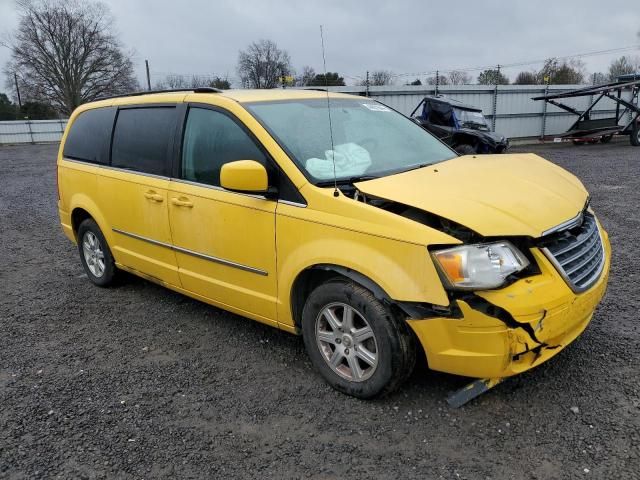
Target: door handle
(153,196)
(182,202)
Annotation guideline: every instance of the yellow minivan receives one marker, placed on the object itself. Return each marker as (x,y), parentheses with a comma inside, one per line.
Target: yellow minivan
(335,217)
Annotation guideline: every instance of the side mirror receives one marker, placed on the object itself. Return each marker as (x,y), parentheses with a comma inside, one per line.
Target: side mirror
(245,176)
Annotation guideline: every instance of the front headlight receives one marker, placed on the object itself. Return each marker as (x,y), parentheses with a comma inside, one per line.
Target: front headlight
(479,266)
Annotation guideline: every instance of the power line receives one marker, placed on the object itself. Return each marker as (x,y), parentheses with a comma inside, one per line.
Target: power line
(523,63)
(164,74)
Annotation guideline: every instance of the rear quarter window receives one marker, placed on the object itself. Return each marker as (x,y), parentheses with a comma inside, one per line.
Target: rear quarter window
(89,134)
(142,139)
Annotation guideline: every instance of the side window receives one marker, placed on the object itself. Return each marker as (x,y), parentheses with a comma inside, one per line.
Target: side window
(142,138)
(89,136)
(212,139)
(440,114)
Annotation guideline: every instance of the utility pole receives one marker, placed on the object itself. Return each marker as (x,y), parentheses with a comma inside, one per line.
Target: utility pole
(366,83)
(146,62)
(15,79)
(437,82)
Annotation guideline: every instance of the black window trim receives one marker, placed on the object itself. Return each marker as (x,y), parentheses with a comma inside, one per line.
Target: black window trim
(273,169)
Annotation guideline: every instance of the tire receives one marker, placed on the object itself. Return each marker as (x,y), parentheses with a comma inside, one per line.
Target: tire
(95,254)
(374,364)
(635,135)
(606,138)
(465,149)
(578,142)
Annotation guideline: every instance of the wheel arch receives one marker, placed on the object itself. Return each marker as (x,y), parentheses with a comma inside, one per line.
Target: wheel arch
(81,208)
(315,275)
(461,138)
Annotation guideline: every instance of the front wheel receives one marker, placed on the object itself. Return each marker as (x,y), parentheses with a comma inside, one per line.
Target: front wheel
(465,149)
(355,342)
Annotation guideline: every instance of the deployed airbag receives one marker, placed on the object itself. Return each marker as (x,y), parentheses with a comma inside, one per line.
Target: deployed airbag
(351,160)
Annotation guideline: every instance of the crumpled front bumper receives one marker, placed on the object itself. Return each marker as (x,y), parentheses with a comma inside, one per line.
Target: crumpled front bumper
(508,331)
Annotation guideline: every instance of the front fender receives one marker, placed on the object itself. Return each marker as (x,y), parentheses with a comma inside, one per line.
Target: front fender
(403,270)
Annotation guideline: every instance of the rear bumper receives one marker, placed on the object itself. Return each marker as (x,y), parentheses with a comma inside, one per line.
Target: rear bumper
(506,332)
(65,223)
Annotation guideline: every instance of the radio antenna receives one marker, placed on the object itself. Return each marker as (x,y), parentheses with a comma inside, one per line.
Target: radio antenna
(326,83)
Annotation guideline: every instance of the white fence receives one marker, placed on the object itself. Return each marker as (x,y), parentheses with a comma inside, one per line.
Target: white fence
(31,131)
(508,108)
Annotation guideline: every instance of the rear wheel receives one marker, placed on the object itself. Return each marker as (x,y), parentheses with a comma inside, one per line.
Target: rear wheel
(635,135)
(465,149)
(606,138)
(95,255)
(355,342)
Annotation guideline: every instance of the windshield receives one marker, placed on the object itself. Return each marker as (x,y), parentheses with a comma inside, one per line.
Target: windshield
(370,140)
(470,118)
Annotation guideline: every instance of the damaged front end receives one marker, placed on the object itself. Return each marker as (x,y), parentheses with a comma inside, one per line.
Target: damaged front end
(496,332)
(506,331)
(524,280)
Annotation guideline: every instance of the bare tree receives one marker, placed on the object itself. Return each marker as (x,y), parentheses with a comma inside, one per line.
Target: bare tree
(306,77)
(182,81)
(262,65)
(565,72)
(381,77)
(457,77)
(623,66)
(174,81)
(64,52)
(492,77)
(440,80)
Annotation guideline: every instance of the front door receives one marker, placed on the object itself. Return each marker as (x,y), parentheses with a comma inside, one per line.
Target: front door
(224,241)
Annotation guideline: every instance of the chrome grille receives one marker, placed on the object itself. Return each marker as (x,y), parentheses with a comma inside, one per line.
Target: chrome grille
(577,253)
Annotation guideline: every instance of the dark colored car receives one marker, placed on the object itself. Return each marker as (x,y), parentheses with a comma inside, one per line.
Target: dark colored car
(462,127)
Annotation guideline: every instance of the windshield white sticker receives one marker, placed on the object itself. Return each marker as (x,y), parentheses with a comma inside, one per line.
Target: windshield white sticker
(376,107)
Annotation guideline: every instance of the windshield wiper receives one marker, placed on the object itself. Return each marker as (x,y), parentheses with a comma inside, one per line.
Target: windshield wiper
(346,181)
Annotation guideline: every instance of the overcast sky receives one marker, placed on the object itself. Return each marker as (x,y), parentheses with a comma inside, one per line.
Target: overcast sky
(204,36)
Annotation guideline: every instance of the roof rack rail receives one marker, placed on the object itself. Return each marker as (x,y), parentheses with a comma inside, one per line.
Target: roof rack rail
(170,90)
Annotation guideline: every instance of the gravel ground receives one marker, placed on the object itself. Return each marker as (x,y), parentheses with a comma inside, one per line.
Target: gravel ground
(140,382)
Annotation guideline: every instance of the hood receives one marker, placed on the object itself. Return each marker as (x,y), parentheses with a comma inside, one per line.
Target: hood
(494,195)
(487,135)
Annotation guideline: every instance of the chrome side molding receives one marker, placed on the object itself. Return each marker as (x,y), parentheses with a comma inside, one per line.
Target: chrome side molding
(175,248)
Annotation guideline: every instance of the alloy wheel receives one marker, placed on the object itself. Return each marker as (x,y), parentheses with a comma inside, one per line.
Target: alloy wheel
(347,342)
(93,254)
